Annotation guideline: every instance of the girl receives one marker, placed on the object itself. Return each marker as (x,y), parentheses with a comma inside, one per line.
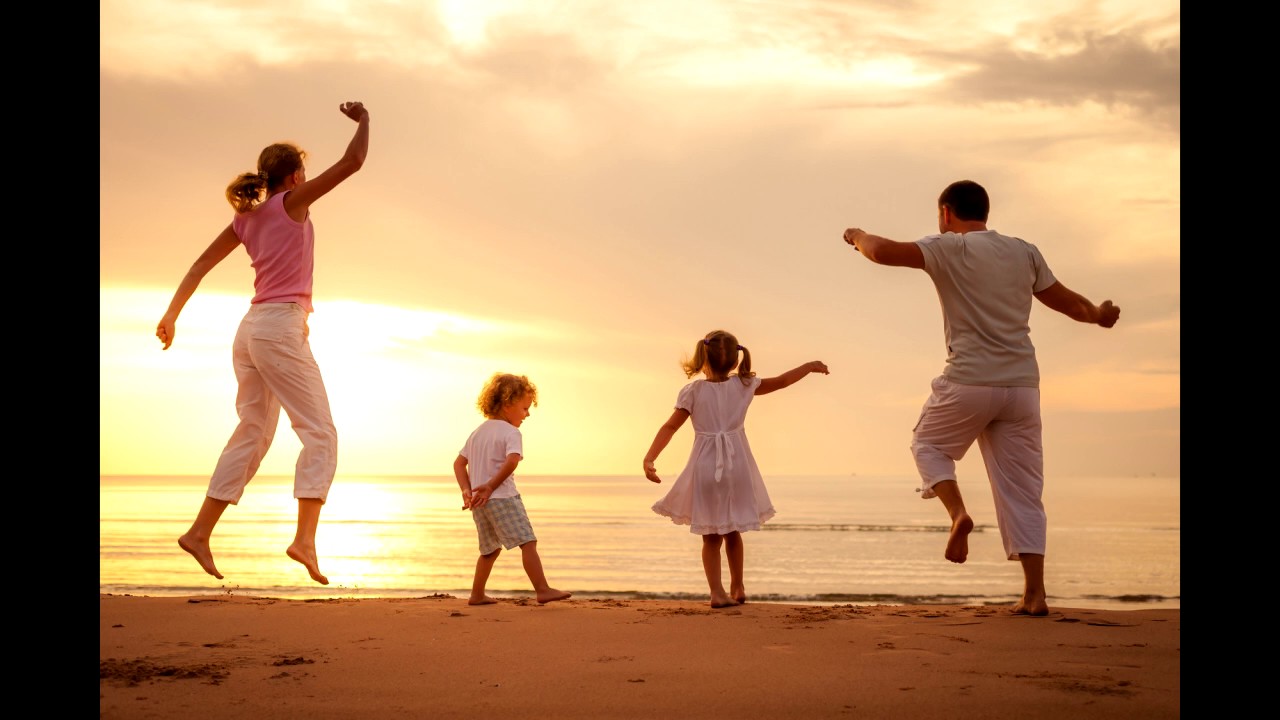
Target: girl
(271,354)
(720,494)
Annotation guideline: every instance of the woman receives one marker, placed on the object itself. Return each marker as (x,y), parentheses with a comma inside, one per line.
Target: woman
(271,353)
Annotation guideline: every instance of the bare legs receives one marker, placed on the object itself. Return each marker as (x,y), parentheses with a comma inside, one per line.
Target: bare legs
(484,565)
(711,566)
(532,567)
(303,549)
(735,552)
(1034,599)
(196,540)
(961,524)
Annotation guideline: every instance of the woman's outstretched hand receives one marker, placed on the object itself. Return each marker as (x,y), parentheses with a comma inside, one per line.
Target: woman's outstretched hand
(354,109)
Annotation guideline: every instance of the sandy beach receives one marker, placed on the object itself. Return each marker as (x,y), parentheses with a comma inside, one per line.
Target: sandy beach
(225,656)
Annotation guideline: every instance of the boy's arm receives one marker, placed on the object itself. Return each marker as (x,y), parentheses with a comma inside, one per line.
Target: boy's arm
(480,495)
(665,433)
(464,480)
(790,377)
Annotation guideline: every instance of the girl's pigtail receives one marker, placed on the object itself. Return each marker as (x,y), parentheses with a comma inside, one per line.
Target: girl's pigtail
(694,365)
(744,366)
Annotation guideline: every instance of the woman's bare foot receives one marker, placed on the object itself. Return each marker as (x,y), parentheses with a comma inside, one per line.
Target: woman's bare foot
(739,594)
(482,600)
(958,543)
(307,556)
(199,549)
(552,595)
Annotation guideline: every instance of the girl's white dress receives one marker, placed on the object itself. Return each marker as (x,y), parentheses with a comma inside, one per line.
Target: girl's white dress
(720,490)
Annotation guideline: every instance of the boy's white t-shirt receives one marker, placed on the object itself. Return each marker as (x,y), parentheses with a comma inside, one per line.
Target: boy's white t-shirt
(487,449)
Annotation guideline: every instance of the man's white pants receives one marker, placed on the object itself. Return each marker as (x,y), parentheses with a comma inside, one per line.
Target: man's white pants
(1006,423)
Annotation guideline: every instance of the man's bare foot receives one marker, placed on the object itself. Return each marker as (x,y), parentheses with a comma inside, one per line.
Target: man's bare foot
(199,549)
(958,543)
(483,600)
(307,556)
(552,595)
(1035,606)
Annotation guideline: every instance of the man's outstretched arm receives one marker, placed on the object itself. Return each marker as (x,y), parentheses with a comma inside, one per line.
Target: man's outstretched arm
(884,251)
(1078,307)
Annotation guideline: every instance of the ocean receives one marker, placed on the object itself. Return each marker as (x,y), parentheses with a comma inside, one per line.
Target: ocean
(1113,543)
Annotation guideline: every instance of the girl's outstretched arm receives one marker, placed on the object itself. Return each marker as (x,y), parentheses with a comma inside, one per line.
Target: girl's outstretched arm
(217,251)
(301,197)
(665,433)
(790,377)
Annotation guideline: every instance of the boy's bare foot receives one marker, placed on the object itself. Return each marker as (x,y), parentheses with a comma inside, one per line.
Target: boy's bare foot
(484,600)
(199,549)
(958,543)
(1035,605)
(307,556)
(552,595)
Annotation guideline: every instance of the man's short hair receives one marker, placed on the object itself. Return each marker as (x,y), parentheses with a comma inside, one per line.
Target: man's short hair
(967,199)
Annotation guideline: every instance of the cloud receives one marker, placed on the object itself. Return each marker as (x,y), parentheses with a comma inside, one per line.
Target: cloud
(1121,70)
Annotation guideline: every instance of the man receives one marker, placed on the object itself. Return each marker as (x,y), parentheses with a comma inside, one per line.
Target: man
(990,388)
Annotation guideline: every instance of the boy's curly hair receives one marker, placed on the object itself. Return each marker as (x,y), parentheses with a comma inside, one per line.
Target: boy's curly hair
(503,389)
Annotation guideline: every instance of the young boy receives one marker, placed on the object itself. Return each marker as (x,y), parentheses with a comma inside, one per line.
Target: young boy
(484,471)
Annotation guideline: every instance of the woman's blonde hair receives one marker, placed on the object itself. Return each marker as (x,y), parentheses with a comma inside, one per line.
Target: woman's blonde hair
(719,352)
(275,163)
(503,389)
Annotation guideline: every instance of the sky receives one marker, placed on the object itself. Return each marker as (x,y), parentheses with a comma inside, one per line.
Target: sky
(580,191)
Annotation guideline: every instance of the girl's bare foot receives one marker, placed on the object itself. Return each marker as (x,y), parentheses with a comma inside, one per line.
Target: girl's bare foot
(552,595)
(199,549)
(958,543)
(483,600)
(307,556)
(722,601)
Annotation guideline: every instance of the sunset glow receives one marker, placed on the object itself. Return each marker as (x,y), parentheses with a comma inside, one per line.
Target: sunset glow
(579,191)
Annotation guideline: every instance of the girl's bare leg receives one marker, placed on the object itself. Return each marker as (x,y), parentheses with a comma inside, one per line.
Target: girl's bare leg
(196,539)
(484,565)
(711,566)
(533,568)
(303,548)
(1034,601)
(961,524)
(735,551)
